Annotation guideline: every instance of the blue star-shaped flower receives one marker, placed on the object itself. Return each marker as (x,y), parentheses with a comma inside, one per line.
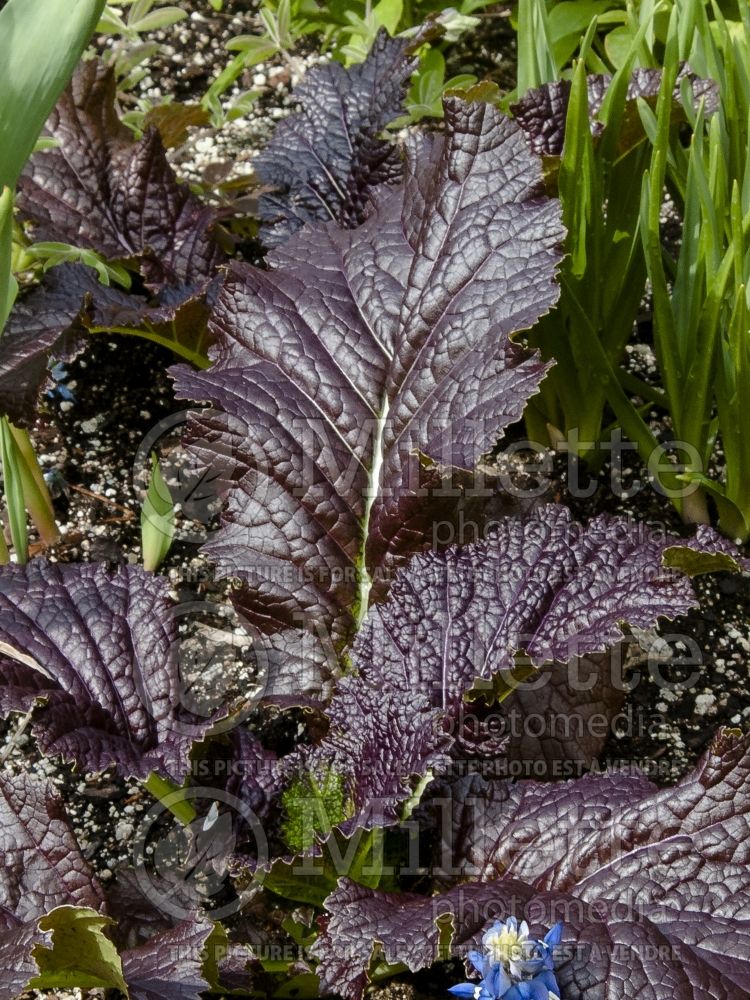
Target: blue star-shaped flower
(513,966)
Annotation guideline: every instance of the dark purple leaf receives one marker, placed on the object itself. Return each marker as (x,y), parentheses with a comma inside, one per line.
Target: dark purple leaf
(170,965)
(553,726)
(101,190)
(364,923)
(541,112)
(17,943)
(44,326)
(359,352)
(543,585)
(176,318)
(42,865)
(51,322)
(253,772)
(42,868)
(326,159)
(557,592)
(135,909)
(383,738)
(99,651)
(653,885)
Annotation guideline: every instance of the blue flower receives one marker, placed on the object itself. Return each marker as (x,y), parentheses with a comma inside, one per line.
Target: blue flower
(513,965)
(59,373)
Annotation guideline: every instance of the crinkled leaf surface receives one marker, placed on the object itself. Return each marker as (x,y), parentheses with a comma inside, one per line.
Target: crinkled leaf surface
(99,189)
(42,869)
(50,323)
(326,159)
(43,327)
(17,943)
(253,773)
(542,111)
(98,649)
(554,725)
(42,865)
(544,585)
(359,351)
(653,885)
(382,739)
(135,910)
(170,965)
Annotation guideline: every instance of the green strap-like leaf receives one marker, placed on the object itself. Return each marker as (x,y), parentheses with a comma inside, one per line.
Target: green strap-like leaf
(40,43)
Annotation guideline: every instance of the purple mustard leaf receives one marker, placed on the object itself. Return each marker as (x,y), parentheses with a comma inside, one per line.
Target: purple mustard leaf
(362,351)
(253,772)
(100,189)
(326,159)
(17,943)
(42,868)
(44,327)
(557,592)
(382,739)
(97,650)
(542,111)
(653,885)
(169,966)
(541,585)
(42,864)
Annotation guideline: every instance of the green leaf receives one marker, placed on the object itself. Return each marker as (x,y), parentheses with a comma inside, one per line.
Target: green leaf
(81,954)
(694,563)
(157,519)
(568,21)
(172,797)
(8,284)
(13,485)
(617,45)
(110,23)
(36,497)
(40,43)
(577,172)
(536,60)
(50,254)
(388,13)
(302,880)
(162,18)
(313,804)
(309,879)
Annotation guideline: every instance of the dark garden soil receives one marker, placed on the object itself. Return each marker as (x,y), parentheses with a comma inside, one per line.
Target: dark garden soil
(97,444)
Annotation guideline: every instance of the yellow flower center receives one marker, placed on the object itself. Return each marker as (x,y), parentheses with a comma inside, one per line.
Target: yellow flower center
(505,945)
